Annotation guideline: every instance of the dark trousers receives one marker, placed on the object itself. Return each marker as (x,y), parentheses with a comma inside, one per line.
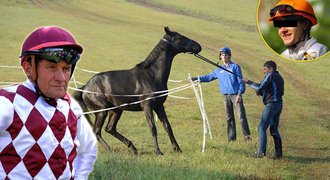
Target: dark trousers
(270,117)
(230,104)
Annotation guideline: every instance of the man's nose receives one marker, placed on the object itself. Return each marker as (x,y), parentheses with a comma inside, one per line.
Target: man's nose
(59,75)
(282,28)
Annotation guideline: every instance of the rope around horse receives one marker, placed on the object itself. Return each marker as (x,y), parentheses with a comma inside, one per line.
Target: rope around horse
(199,100)
(137,102)
(130,95)
(167,92)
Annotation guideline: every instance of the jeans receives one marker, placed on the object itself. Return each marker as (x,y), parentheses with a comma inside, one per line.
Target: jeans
(270,117)
(230,103)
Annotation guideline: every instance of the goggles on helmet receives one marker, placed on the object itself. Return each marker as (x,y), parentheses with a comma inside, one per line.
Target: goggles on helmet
(286,9)
(56,55)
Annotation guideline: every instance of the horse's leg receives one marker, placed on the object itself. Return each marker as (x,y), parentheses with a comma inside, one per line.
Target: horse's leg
(167,126)
(151,122)
(111,128)
(97,128)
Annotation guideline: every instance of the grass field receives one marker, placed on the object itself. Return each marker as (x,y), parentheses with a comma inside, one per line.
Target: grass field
(118,34)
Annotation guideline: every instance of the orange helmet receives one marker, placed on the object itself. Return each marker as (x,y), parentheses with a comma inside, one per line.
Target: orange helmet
(285,8)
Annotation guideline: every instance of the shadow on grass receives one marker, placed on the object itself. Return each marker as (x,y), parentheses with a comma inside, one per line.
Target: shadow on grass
(300,159)
(309,155)
(236,149)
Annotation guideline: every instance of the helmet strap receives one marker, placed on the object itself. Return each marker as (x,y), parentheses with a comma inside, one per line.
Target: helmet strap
(72,69)
(303,38)
(49,100)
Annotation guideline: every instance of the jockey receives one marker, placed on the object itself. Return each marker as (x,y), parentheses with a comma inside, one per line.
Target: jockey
(294,20)
(43,132)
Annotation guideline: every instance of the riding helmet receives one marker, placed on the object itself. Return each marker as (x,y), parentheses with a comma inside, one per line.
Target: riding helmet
(49,36)
(300,8)
(225,50)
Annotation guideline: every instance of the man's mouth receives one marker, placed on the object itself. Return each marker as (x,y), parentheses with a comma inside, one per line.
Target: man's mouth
(286,36)
(58,86)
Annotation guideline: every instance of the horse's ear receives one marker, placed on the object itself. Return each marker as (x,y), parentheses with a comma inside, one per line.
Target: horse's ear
(167,30)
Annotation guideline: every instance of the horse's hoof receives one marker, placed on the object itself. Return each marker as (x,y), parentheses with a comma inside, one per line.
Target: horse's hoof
(159,153)
(135,153)
(103,143)
(107,130)
(177,149)
(133,150)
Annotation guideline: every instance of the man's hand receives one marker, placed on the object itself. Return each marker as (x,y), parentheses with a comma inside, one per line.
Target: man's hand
(245,80)
(194,78)
(258,93)
(238,98)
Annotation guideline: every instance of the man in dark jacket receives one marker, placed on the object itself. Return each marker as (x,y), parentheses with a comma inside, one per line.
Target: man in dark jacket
(271,89)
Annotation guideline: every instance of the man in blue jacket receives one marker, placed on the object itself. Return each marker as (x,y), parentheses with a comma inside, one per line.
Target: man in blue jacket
(232,88)
(272,89)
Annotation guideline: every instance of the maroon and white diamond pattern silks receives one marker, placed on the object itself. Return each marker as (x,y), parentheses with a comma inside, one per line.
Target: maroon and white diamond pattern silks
(39,139)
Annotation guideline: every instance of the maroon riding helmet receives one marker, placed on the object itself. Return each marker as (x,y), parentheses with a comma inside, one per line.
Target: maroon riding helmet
(48,37)
(52,44)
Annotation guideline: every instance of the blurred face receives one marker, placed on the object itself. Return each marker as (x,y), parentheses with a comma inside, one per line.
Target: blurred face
(225,58)
(53,78)
(267,70)
(292,35)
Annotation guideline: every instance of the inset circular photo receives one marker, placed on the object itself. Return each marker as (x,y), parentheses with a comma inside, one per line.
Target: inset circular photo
(297,30)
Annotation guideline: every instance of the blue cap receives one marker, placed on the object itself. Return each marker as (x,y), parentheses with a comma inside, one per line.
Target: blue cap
(225,50)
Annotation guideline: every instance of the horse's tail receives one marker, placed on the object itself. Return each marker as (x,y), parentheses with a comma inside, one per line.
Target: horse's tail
(77,95)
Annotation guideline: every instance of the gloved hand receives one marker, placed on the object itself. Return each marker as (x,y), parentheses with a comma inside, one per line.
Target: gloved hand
(194,78)
(247,81)
(258,93)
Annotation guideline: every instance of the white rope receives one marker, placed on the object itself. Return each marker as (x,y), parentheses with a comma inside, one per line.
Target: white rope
(131,95)
(73,79)
(178,97)
(202,100)
(167,92)
(16,67)
(81,69)
(137,102)
(203,113)
(176,81)
(10,82)
(86,70)
(76,82)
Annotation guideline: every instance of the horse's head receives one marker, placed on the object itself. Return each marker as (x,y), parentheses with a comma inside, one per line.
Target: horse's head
(181,43)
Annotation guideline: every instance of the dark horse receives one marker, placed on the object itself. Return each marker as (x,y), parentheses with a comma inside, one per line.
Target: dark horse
(143,80)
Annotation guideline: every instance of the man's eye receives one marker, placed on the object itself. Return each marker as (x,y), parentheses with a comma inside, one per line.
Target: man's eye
(67,68)
(51,67)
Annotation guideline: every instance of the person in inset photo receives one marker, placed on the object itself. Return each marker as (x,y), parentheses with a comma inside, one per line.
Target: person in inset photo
(294,20)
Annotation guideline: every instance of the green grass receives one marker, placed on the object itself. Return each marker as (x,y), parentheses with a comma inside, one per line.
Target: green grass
(119,34)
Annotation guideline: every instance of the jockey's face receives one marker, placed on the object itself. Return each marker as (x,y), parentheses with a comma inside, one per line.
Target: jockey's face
(53,78)
(292,35)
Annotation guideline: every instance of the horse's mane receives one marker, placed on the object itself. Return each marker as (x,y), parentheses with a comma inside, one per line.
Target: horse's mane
(154,54)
